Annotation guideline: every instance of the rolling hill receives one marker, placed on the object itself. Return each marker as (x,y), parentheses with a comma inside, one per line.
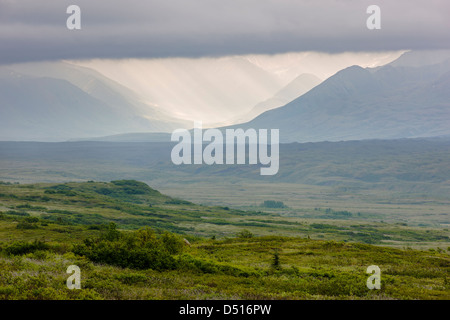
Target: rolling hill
(117,234)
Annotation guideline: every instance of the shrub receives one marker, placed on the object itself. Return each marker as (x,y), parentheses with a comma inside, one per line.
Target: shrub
(17,213)
(21,247)
(112,234)
(24,225)
(140,249)
(31,219)
(95,227)
(245,234)
(118,254)
(273,204)
(64,192)
(24,206)
(40,255)
(177,201)
(172,243)
(28,223)
(276,261)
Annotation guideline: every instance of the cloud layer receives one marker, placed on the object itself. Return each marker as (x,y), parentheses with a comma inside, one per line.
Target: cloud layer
(33,30)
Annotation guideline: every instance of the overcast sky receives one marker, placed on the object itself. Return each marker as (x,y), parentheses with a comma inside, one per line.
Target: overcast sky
(33,30)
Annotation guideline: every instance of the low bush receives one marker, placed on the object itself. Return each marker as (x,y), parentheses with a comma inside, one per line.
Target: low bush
(21,247)
(273,204)
(245,234)
(18,213)
(141,249)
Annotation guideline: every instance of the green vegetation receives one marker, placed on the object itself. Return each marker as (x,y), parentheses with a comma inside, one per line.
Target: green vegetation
(132,242)
(138,250)
(273,204)
(233,268)
(132,205)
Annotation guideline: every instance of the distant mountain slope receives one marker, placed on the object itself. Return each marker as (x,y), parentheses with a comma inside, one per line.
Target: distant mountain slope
(300,85)
(209,89)
(217,90)
(394,101)
(57,101)
(95,84)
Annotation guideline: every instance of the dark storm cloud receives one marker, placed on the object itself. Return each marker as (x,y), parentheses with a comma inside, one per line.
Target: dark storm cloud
(36,30)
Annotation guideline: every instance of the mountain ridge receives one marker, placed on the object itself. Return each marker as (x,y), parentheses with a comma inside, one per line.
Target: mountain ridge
(56,101)
(357,103)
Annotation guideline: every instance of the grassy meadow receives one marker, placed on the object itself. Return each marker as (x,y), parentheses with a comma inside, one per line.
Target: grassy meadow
(133,242)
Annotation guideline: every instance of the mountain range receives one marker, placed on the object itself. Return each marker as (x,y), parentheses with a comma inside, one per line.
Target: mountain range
(56,101)
(221,91)
(297,87)
(407,98)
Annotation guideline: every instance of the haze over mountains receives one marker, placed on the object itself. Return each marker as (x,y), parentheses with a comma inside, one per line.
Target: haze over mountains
(407,98)
(57,101)
(221,90)
(300,85)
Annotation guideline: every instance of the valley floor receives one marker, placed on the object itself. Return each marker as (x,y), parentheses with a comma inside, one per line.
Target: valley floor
(133,242)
